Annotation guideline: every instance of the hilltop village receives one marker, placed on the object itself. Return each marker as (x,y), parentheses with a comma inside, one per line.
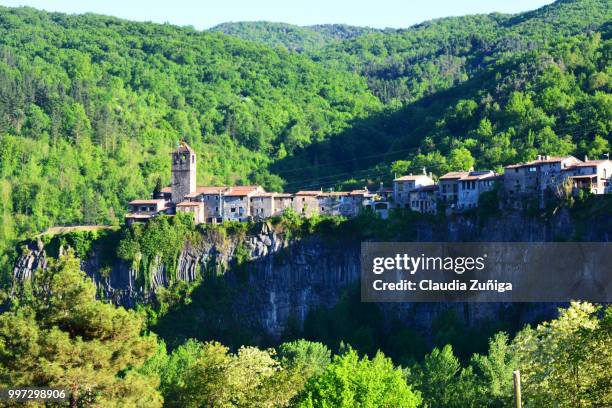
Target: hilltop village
(455,192)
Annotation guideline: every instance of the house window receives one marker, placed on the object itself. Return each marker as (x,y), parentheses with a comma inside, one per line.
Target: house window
(233,209)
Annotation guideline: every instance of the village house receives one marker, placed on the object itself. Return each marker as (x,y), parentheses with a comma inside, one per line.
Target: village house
(472,185)
(356,200)
(334,203)
(306,203)
(237,203)
(424,199)
(266,205)
(534,178)
(143,210)
(282,201)
(194,208)
(403,185)
(449,187)
(590,175)
(212,199)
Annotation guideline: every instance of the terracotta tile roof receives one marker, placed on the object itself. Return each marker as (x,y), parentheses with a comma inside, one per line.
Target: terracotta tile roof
(478,175)
(155,201)
(166,190)
(313,193)
(411,177)
(283,195)
(188,204)
(238,191)
(453,175)
(264,194)
(206,190)
(590,163)
(359,192)
(334,194)
(546,160)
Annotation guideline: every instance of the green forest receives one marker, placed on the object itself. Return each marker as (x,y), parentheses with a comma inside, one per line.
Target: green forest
(55,333)
(90,106)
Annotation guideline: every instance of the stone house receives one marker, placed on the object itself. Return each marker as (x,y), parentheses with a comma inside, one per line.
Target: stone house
(534,178)
(449,187)
(237,202)
(194,208)
(212,199)
(282,201)
(143,210)
(591,175)
(262,205)
(472,185)
(424,199)
(333,202)
(357,199)
(403,185)
(306,203)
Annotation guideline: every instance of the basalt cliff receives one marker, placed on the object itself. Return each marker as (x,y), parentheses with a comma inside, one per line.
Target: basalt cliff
(275,279)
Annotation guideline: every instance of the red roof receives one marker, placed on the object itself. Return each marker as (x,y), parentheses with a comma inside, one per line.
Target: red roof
(453,175)
(166,190)
(239,191)
(545,160)
(590,163)
(207,190)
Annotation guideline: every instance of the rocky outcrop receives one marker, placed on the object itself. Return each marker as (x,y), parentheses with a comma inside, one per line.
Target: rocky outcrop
(286,278)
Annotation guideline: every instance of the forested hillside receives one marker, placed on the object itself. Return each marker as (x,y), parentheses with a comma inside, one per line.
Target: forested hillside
(90,106)
(292,37)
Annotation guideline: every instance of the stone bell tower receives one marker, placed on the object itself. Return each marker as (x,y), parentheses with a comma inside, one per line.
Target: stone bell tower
(183,172)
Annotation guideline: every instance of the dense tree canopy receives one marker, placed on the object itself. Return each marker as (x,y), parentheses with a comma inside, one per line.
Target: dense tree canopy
(56,334)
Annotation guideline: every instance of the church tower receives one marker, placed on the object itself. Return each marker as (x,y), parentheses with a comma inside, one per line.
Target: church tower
(183,172)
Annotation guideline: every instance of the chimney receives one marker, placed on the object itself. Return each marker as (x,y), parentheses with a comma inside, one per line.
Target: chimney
(539,157)
(381,186)
(424,171)
(586,158)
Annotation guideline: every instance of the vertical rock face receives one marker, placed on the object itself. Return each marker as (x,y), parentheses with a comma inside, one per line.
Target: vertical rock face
(284,279)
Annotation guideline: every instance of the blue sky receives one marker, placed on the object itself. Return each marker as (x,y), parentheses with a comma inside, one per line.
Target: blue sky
(205,13)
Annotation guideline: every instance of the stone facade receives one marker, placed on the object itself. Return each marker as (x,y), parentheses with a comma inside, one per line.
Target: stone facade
(591,175)
(183,172)
(531,180)
(403,185)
